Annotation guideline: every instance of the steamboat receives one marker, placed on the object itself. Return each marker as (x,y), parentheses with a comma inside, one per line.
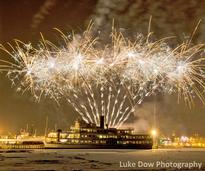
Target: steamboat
(84,135)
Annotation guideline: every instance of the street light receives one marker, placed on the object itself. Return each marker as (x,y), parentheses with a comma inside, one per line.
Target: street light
(154,134)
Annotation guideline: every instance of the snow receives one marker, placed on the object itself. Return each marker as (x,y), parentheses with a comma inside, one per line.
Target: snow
(95,159)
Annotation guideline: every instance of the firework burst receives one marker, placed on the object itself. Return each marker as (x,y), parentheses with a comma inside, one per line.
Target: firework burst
(110,80)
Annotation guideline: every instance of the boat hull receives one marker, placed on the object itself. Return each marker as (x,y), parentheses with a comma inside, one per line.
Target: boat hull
(97,146)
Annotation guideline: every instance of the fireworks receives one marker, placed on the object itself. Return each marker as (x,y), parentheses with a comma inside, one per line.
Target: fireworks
(110,80)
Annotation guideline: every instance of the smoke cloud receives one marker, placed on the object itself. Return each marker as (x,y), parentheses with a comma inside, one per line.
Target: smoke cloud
(42,13)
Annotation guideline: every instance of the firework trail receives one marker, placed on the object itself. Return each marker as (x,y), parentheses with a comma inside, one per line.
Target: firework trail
(110,80)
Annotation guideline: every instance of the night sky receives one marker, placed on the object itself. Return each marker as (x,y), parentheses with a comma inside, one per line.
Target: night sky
(25,19)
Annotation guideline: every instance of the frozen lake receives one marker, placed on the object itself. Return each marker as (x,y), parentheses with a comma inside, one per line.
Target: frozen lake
(71,159)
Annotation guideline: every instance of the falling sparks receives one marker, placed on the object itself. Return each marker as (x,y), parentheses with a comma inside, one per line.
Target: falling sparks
(110,80)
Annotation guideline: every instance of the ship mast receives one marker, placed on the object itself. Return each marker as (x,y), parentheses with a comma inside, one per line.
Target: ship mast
(46,126)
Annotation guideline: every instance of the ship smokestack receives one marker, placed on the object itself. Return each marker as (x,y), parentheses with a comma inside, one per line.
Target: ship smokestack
(58,134)
(102,121)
